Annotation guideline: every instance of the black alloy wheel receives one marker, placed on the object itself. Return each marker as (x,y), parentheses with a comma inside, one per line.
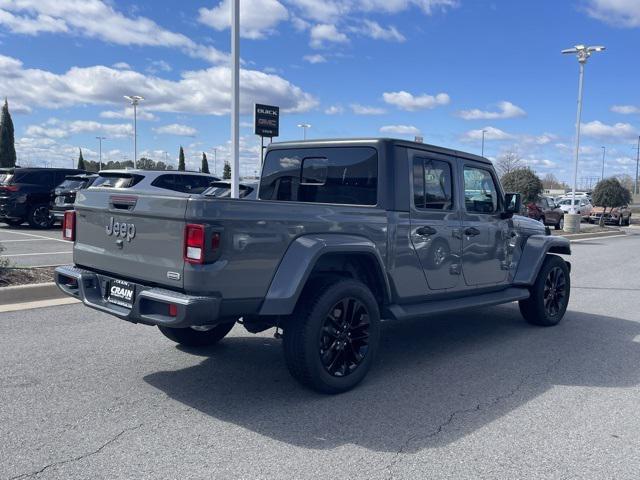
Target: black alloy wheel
(555,291)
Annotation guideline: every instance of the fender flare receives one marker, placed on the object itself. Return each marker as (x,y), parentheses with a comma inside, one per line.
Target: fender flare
(298,263)
(534,253)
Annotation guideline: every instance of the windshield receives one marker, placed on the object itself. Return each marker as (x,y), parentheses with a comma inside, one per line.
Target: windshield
(72,184)
(568,201)
(116,180)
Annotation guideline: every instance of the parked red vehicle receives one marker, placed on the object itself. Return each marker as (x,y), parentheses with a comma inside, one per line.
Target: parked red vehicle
(546,211)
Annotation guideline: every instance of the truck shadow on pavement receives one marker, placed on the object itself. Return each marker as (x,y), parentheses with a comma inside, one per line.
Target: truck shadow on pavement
(435,380)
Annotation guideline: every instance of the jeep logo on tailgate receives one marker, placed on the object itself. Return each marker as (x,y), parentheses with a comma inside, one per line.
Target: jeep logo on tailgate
(118,229)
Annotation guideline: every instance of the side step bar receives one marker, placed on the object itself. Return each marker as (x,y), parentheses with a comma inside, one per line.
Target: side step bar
(404,312)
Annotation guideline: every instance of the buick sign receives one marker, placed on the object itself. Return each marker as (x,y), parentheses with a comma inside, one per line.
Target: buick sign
(267,120)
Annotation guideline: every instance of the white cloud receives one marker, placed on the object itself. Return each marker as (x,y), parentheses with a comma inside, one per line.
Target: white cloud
(400,130)
(177,129)
(407,101)
(313,59)
(506,110)
(376,31)
(122,66)
(57,129)
(200,91)
(619,13)
(490,133)
(618,131)
(324,33)
(158,66)
(625,109)
(127,113)
(96,19)
(258,18)
(366,110)
(334,110)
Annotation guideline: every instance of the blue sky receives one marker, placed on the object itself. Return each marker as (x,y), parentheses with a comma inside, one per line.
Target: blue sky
(444,69)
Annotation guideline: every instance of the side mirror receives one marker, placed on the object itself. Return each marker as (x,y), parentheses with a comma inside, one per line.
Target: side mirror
(512,204)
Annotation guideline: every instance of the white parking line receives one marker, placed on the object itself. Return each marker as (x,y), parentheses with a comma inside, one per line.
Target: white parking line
(25,240)
(39,236)
(34,254)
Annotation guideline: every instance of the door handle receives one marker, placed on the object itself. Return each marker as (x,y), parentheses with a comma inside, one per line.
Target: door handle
(426,231)
(471,232)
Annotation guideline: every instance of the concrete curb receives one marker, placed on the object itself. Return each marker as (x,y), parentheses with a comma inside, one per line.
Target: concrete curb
(30,293)
(591,235)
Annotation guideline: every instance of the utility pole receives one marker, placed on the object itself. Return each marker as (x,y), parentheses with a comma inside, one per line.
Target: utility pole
(235,97)
(604,151)
(483,132)
(583,53)
(637,164)
(135,101)
(100,139)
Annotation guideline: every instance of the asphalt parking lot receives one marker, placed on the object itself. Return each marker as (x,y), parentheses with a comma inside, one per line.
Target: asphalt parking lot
(478,394)
(29,247)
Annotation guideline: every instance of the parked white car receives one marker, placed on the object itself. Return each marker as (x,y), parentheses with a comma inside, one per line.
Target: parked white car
(582,204)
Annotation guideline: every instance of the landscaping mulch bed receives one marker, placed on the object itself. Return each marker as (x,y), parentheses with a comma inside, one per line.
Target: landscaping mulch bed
(12,276)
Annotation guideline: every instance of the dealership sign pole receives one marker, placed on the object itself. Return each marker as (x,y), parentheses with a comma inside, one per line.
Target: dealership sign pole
(266,123)
(235,97)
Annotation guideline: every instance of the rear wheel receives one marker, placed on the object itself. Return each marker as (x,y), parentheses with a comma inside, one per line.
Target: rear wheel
(198,336)
(560,224)
(549,294)
(39,216)
(331,340)
(14,222)
(629,220)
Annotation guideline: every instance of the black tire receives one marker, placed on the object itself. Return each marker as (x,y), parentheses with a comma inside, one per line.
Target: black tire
(39,216)
(320,328)
(197,338)
(549,294)
(14,223)
(629,221)
(560,224)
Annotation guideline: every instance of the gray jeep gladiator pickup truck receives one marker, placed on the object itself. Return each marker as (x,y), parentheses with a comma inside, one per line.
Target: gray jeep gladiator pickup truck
(343,233)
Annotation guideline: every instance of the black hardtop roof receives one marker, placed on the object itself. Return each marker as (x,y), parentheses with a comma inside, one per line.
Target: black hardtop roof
(44,169)
(378,142)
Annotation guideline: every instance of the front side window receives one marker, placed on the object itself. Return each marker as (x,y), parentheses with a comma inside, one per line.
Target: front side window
(432,184)
(480,191)
(347,175)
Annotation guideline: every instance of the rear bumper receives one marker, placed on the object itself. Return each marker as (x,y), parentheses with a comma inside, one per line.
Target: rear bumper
(12,209)
(59,210)
(151,305)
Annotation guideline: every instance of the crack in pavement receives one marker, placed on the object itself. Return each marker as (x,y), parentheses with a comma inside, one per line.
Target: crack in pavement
(75,459)
(480,406)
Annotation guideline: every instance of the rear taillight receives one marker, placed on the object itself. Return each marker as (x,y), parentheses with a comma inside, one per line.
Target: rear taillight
(9,188)
(69,226)
(194,237)
(200,246)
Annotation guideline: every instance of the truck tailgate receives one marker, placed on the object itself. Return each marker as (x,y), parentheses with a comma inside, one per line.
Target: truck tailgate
(137,237)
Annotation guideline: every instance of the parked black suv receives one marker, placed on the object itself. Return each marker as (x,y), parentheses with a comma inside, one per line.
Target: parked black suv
(25,194)
(65,193)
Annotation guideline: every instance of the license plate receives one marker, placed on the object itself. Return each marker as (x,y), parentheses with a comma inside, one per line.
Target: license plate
(121,293)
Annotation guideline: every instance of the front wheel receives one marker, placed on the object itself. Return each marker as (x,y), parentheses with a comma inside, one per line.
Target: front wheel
(549,294)
(197,336)
(332,338)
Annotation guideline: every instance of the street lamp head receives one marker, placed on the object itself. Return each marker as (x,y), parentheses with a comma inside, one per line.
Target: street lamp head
(304,125)
(134,99)
(583,52)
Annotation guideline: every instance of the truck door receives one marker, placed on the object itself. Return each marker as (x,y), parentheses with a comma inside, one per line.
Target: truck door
(485,234)
(435,219)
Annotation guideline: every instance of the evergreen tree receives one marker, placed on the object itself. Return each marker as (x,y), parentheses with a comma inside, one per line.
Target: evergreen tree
(226,173)
(81,165)
(7,139)
(205,164)
(181,165)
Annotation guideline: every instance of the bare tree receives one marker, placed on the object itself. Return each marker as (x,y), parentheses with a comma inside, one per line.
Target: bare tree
(508,162)
(626,181)
(550,181)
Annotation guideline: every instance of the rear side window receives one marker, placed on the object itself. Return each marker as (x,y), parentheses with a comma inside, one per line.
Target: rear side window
(116,180)
(432,184)
(480,191)
(347,175)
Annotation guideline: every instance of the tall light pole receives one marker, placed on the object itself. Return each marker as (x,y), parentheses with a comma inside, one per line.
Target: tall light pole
(604,153)
(215,158)
(304,127)
(483,132)
(100,139)
(583,53)
(637,164)
(235,97)
(135,101)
